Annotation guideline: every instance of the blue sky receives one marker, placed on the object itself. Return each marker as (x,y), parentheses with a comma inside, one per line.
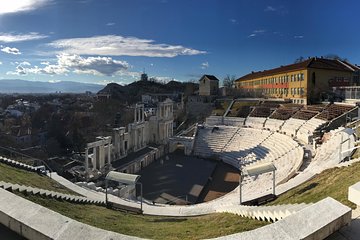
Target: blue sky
(101,41)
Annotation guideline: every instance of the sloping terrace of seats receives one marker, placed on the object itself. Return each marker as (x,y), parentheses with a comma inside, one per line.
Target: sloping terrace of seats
(211,140)
(49,194)
(333,111)
(221,106)
(265,109)
(309,111)
(241,108)
(285,111)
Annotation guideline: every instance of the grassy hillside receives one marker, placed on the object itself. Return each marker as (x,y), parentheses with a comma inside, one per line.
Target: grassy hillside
(19,176)
(152,227)
(209,226)
(332,182)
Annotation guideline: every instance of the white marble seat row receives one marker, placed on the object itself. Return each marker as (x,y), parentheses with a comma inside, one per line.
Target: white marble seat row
(274,124)
(20,165)
(308,128)
(255,122)
(47,193)
(249,146)
(291,126)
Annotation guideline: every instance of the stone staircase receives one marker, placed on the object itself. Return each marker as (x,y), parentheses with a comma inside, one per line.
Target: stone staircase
(264,213)
(20,165)
(49,194)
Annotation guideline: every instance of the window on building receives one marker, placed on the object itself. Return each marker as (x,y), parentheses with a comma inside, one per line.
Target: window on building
(302,76)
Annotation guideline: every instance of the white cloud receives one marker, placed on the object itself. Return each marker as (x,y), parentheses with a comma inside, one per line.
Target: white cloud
(110,24)
(270,9)
(9,37)
(1,63)
(10,50)
(233,21)
(114,45)
(14,6)
(257,32)
(103,66)
(205,65)
(25,63)
(92,65)
(279,9)
(299,36)
(20,69)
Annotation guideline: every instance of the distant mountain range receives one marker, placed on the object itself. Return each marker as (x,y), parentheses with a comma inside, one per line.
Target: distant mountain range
(23,86)
(132,92)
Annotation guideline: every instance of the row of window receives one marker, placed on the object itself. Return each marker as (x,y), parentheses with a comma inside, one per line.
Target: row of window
(293,91)
(282,91)
(298,101)
(274,80)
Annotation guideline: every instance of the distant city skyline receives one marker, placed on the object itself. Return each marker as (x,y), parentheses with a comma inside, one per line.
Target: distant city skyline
(95,41)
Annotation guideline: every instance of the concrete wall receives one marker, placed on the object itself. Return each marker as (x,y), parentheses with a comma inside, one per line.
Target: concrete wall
(317,221)
(143,161)
(35,222)
(320,83)
(354,194)
(187,142)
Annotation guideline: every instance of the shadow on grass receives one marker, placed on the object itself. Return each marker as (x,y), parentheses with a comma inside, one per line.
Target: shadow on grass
(170,220)
(307,188)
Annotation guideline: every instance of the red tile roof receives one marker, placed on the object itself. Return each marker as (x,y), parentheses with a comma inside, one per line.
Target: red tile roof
(318,63)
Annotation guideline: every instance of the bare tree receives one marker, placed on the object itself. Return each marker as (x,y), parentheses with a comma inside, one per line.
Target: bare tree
(299,59)
(229,81)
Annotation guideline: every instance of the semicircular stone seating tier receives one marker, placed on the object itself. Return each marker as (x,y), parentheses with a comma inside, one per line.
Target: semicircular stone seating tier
(247,146)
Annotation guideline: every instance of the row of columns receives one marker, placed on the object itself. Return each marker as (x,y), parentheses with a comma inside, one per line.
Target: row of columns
(119,143)
(139,138)
(139,115)
(165,110)
(99,149)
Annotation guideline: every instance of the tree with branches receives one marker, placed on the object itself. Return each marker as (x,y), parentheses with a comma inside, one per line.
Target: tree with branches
(229,81)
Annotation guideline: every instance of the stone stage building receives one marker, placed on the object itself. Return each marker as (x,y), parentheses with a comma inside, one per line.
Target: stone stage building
(107,152)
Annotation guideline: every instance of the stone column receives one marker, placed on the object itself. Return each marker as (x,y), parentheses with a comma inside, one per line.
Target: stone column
(135,139)
(118,145)
(143,114)
(172,129)
(109,152)
(86,160)
(121,143)
(166,130)
(141,138)
(94,158)
(101,157)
